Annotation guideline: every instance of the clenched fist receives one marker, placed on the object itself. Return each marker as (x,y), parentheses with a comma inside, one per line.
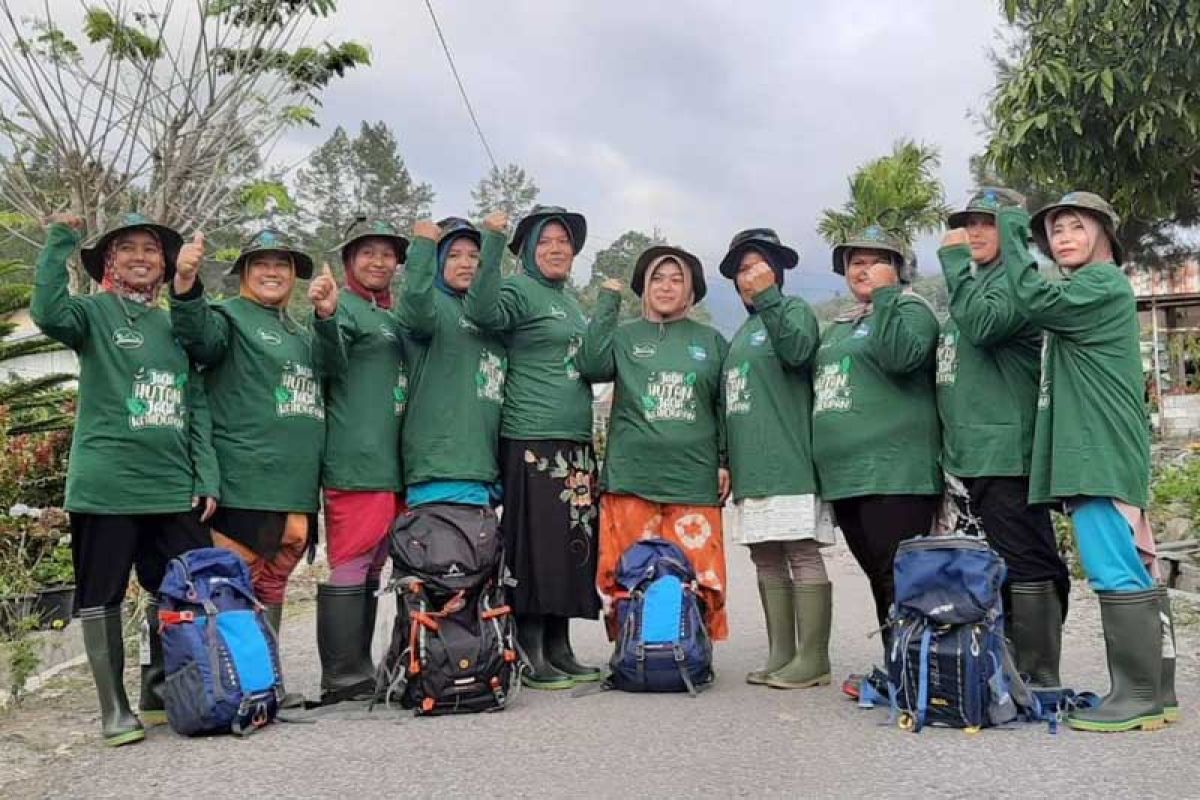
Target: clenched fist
(757,278)
(427,229)
(882,273)
(190,256)
(496,221)
(73,221)
(323,293)
(955,236)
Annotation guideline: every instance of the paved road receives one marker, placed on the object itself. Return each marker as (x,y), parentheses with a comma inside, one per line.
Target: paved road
(735,740)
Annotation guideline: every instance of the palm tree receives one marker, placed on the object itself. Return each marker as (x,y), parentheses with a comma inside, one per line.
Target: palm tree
(34,404)
(899,192)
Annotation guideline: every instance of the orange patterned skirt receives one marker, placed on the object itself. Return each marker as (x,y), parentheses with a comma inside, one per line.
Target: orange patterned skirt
(624,519)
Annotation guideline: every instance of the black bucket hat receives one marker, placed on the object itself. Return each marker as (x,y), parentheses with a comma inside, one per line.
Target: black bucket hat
(575,223)
(650,254)
(987,200)
(92,256)
(873,237)
(1087,202)
(766,241)
(271,240)
(454,227)
(366,228)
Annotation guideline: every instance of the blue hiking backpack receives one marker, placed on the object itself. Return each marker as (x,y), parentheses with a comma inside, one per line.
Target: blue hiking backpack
(662,644)
(220,653)
(948,662)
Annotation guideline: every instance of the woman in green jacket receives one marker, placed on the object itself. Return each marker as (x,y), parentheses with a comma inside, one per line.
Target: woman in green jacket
(875,428)
(547,463)
(1091,446)
(768,420)
(142,479)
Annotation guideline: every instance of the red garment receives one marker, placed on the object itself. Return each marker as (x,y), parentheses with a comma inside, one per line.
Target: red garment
(356,522)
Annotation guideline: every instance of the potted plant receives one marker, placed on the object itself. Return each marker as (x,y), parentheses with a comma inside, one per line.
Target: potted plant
(54,575)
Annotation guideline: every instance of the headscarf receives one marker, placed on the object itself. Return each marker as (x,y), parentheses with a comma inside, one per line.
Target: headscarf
(443,252)
(648,313)
(381,297)
(1093,229)
(113,282)
(529,252)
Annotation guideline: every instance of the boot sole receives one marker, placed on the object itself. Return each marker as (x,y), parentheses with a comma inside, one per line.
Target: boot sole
(822,680)
(757,678)
(1171,714)
(1153,722)
(129,737)
(155,717)
(589,677)
(549,686)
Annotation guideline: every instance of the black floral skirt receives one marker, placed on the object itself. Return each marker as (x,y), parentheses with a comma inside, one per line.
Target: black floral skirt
(549,526)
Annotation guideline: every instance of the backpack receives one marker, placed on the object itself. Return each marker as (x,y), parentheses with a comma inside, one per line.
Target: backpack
(948,663)
(453,647)
(662,644)
(220,653)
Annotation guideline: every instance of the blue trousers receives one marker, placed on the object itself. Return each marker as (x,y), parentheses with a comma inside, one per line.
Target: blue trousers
(1106,547)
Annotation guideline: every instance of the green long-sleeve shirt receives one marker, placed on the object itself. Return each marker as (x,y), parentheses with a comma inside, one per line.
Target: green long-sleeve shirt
(365,399)
(264,381)
(457,374)
(987,372)
(142,441)
(768,399)
(666,433)
(545,396)
(875,425)
(1091,437)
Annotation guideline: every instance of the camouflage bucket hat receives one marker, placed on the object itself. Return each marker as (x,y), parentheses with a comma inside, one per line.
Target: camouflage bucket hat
(987,200)
(92,255)
(1087,202)
(691,262)
(271,240)
(454,227)
(873,237)
(365,228)
(764,240)
(575,223)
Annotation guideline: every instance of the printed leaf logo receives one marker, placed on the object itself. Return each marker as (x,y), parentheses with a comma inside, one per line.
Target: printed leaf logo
(845,365)
(399,394)
(136,406)
(744,368)
(690,379)
(181,380)
(282,394)
(649,403)
(480,379)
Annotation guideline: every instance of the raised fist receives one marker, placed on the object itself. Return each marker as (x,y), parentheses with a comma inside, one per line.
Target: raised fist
(73,221)
(496,221)
(323,293)
(955,236)
(882,273)
(755,279)
(190,256)
(427,229)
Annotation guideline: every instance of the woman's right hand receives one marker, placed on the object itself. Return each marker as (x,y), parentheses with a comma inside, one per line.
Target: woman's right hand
(73,221)
(427,229)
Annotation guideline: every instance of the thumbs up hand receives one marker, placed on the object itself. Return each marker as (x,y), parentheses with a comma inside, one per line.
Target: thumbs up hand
(187,263)
(323,293)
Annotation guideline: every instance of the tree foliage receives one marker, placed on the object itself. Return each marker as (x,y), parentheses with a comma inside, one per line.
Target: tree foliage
(1102,96)
(32,404)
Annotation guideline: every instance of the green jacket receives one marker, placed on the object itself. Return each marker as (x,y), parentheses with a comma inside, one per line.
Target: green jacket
(456,377)
(768,399)
(143,434)
(987,372)
(875,425)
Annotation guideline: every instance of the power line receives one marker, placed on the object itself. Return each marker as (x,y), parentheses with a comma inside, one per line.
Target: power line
(461,89)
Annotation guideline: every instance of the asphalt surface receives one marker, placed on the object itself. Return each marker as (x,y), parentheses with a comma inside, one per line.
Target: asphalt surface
(734,740)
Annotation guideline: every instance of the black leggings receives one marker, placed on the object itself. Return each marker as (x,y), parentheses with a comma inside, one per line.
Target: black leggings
(874,526)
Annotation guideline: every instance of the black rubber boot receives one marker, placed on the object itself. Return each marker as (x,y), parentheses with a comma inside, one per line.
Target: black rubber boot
(1133,639)
(366,661)
(559,652)
(106,656)
(274,615)
(341,617)
(776,598)
(154,675)
(540,673)
(1037,632)
(1170,703)
(814,615)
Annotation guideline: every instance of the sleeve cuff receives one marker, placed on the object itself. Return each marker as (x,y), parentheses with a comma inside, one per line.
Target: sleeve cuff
(195,293)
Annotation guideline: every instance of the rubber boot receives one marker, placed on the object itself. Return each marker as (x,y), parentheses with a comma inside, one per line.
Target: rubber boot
(1133,639)
(540,674)
(340,620)
(106,656)
(1170,703)
(154,675)
(274,615)
(776,597)
(814,616)
(366,661)
(1037,632)
(559,652)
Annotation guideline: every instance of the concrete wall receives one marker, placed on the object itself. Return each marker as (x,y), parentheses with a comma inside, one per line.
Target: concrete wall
(1179,415)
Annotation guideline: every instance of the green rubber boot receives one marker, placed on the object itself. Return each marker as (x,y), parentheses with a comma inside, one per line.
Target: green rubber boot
(274,615)
(341,617)
(106,656)
(154,675)
(776,597)
(1037,632)
(539,672)
(814,616)
(1169,702)
(366,661)
(1133,639)
(560,653)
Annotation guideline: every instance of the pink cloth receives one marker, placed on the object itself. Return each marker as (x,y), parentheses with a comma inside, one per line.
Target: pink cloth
(1143,536)
(356,522)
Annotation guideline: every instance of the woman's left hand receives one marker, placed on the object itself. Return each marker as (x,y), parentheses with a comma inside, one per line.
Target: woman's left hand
(723,483)
(210,507)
